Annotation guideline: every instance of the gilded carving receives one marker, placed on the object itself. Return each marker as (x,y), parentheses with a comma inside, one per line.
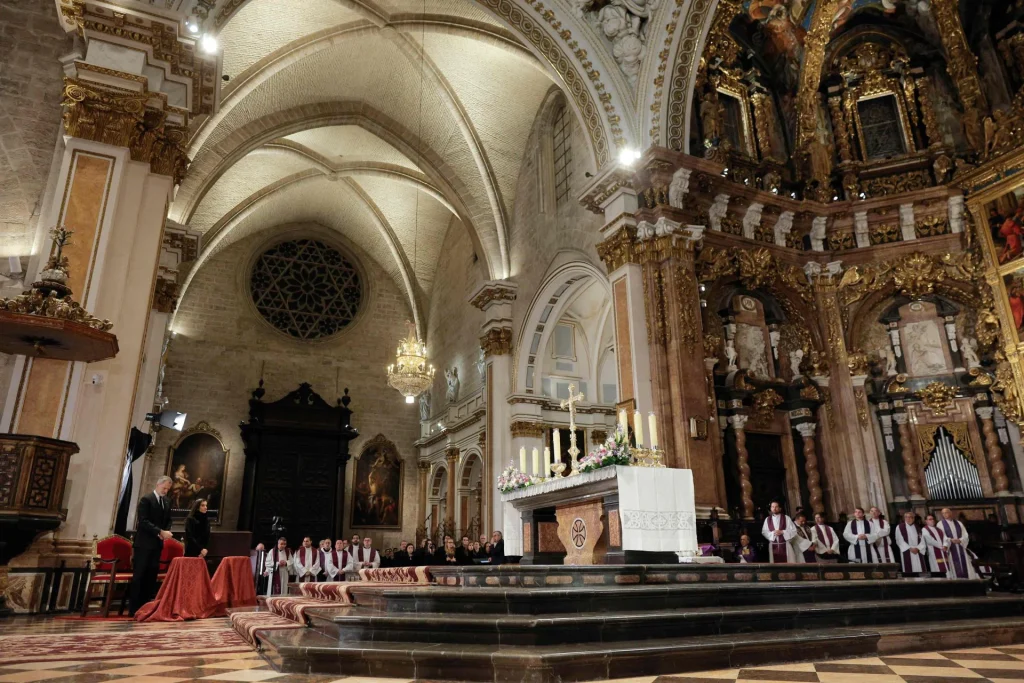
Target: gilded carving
(938,397)
(528,430)
(762,411)
(619,249)
(165,295)
(497,341)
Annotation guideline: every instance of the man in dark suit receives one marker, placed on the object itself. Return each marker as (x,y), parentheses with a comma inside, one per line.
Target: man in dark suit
(152,527)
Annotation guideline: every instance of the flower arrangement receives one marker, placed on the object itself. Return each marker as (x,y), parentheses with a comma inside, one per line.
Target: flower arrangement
(614,451)
(511,479)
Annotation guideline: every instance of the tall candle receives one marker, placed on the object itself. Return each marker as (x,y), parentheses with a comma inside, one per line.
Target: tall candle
(652,423)
(638,428)
(536,462)
(623,422)
(522,459)
(558,447)
(547,462)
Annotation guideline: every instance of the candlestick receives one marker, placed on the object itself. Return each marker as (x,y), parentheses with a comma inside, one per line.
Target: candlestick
(522,459)
(558,447)
(652,423)
(638,428)
(547,462)
(623,422)
(536,462)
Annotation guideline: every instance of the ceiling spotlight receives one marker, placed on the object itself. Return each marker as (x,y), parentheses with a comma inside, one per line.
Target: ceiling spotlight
(628,156)
(208,44)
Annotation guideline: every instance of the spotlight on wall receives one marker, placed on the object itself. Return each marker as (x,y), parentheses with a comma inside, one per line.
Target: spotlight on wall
(191,25)
(208,43)
(410,399)
(168,418)
(628,156)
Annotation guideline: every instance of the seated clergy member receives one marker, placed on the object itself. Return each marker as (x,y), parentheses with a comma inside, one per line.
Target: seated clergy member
(912,547)
(366,556)
(938,553)
(306,561)
(746,554)
(882,529)
(277,567)
(780,531)
(804,540)
(338,561)
(861,537)
(826,541)
(960,566)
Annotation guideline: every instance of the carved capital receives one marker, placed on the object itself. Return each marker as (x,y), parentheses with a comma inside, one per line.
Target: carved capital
(619,249)
(451,454)
(423,467)
(807,429)
(527,430)
(738,422)
(497,341)
(493,292)
(985,413)
(165,295)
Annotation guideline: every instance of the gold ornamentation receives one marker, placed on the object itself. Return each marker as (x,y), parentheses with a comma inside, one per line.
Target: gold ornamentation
(598,436)
(842,241)
(410,374)
(1005,394)
(762,412)
(926,439)
(810,393)
(712,346)
(528,430)
(886,233)
(819,364)
(681,92)
(858,363)
(860,398)
(619,249)
(938,397)
(165,295)
(897,184)
(808,98)
(932,226)
(931,120)
(497,341)
(961,63)
(495,294)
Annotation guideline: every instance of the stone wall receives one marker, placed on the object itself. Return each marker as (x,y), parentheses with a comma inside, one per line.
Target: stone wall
(221,344)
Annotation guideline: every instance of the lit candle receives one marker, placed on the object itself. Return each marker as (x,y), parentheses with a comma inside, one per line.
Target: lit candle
(522,459)
(623,422)
(547,462)
(558,447)
(536,462)
(638,428)
(652,424)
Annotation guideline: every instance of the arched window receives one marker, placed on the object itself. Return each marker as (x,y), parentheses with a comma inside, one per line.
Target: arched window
(561,143)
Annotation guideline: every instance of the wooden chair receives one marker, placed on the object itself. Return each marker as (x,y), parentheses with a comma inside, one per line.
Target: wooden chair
(111,571)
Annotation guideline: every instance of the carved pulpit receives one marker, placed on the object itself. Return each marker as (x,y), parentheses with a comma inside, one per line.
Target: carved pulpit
(296,451)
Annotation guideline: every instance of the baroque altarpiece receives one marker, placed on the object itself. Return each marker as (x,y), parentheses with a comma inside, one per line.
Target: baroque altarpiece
(832,277)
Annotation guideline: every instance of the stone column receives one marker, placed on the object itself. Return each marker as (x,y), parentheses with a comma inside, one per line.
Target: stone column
(421,503)
(993,452)
(122,152)
(451,458)
(494,299)
(910,457)
(807,430)
(738,423)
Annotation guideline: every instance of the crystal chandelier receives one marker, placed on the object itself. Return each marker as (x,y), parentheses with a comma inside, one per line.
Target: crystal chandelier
(410,374)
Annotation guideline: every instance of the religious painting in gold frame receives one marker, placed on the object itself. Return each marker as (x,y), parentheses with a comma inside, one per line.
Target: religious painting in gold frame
(197,464)
(377,486)
(1013,286)
(1004,218)
(736,120)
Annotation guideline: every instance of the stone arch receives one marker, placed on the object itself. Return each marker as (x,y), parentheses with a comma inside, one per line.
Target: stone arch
(566,275)
(469,513)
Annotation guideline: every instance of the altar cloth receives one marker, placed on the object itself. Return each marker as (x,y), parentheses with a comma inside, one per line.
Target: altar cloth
(656,509)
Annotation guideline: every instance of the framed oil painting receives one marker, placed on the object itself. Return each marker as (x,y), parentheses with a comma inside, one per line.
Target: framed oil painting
(198,469)
(377,486)
(1005,217)
(1014,282)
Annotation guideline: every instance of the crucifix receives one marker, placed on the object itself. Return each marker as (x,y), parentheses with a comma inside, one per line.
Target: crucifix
(570,403)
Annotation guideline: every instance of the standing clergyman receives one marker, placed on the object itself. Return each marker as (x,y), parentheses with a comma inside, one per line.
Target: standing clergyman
(780,531)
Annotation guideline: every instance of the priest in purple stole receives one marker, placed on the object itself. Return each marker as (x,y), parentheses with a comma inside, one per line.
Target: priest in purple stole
(957,539)
(826,541)
(910,541)
(804,540)
(938,554)
(780,531)
(882,529)
(277,567)
(746,554)
(861,537)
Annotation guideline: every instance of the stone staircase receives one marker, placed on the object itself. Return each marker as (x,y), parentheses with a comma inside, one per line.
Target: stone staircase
(586,623)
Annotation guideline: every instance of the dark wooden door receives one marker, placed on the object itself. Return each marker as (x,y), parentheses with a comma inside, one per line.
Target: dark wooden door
(767,471)
(296,452)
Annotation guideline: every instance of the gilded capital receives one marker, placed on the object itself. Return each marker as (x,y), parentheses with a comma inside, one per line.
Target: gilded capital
(451,454)
(497,341)
(493,292)
(619,249)
(527,430)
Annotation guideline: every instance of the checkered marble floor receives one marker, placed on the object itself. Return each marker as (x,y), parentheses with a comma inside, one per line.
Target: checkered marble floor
(999,664)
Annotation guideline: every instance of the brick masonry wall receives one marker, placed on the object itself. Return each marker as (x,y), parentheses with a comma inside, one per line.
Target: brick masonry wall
(31,41)
(221,343)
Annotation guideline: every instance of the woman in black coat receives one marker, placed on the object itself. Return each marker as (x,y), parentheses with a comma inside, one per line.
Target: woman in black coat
(197,530)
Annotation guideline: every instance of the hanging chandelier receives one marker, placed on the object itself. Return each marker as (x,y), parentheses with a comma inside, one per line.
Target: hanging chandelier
(410,374)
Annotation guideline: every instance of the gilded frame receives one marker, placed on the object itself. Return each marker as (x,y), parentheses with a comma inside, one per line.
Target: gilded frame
(873,94)
(176,459)
(383,448)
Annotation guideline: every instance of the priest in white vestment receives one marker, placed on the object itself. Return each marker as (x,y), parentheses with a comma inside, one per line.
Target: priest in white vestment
(826,541)
(804,540)
(957,539)
(910,541)
(338,561)
(780,531)
(861,537)
(938,554)
(367,556)
(277,567)
(306,561)
(883,542)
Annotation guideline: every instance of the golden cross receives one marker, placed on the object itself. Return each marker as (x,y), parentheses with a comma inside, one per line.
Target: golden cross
(570,403)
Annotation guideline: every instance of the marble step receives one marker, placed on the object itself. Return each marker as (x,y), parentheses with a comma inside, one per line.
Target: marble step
(535,576)
(570,600)
(304,651)
(348,624)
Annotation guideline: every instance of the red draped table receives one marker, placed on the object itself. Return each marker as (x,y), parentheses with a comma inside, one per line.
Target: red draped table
(233,584)
(185,594)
